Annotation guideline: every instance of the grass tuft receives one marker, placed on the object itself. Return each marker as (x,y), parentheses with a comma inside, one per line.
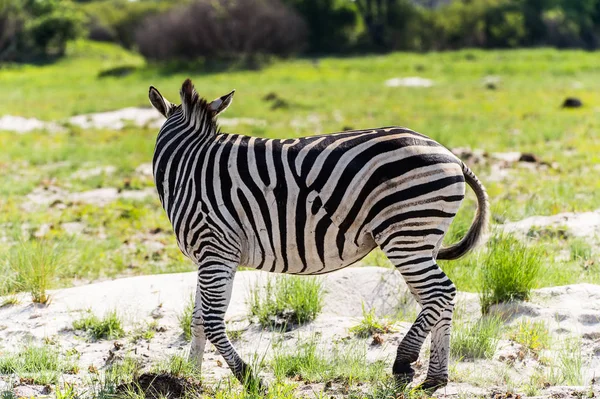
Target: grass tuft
(532,335)
(509,271)
(370,324)
(41,364)
(36,264)
(570,362)
(185,319)
(145,332)
(580,250)
(178,366)
(286,299)
(475,340)
(307,362)
(109,327)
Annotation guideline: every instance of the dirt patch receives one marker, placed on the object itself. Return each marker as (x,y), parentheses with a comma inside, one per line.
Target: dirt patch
(502,163)
(155,386)
(114,120)
(57,197)
(584,225)
(19,124)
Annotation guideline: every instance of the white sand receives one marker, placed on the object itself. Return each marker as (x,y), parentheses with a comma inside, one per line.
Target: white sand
(569,311)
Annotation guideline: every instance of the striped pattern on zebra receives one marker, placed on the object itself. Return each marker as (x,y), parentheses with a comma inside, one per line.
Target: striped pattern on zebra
(309,206)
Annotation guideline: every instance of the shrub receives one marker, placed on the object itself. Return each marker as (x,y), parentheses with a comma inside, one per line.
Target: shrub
(286,299)
(51,24)
(33,28)
(475,340)
(117,20)
(509,271)
(332,25)
(109,326)
(222,29)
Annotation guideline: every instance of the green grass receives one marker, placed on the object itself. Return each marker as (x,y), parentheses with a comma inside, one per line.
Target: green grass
(370,324)
(286,299)
(509,271)
(570,362)
(185,319)
(477,340)
(109,327)
(533,335)
(307,361)
(580,250)
(523,115)
(35,265)
(40,364)
(178,366)
(145,332)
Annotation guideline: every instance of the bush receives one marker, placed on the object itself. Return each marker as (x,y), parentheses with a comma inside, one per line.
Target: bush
(222,29)
(509,271)
(332,25)
(34,28)
(118,20)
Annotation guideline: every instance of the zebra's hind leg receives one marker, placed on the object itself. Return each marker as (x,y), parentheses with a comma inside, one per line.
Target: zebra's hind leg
(215,283)
(435,293)
(197,330)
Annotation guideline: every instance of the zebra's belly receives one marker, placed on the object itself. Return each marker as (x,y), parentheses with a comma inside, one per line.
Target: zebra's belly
(315,255)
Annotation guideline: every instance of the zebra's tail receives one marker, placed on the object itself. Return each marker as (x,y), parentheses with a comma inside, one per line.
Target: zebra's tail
(480,223)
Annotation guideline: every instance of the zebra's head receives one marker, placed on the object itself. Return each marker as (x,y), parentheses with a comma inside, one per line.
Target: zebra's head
(192,105)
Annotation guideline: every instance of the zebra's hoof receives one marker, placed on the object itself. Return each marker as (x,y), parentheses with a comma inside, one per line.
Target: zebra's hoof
(431,385)
(403,373)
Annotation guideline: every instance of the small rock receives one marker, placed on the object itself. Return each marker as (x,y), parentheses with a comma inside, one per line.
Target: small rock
(572,102)
(270,96)
(529,157)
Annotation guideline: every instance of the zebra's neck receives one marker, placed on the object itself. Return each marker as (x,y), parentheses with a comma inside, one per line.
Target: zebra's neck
(178,146)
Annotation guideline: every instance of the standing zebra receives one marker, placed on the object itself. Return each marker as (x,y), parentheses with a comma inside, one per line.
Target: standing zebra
(310,206)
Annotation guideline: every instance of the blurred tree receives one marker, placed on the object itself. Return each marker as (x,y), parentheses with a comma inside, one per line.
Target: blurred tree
(11,23)
(50,24)
(332,25)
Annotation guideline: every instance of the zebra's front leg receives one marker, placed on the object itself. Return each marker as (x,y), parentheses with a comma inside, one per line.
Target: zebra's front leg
(215,284)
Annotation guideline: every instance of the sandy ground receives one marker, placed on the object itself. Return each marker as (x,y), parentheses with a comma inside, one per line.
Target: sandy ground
(569,311)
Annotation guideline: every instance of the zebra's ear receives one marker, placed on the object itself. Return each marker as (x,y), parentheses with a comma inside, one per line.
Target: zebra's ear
(220,104)
(161,104)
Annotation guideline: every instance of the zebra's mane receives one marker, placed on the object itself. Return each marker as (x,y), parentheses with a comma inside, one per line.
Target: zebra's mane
(196,107)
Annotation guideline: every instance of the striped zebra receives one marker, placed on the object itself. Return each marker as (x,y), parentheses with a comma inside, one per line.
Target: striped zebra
(310,206)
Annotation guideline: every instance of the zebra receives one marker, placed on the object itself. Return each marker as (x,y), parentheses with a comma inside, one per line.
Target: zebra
(308,206)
